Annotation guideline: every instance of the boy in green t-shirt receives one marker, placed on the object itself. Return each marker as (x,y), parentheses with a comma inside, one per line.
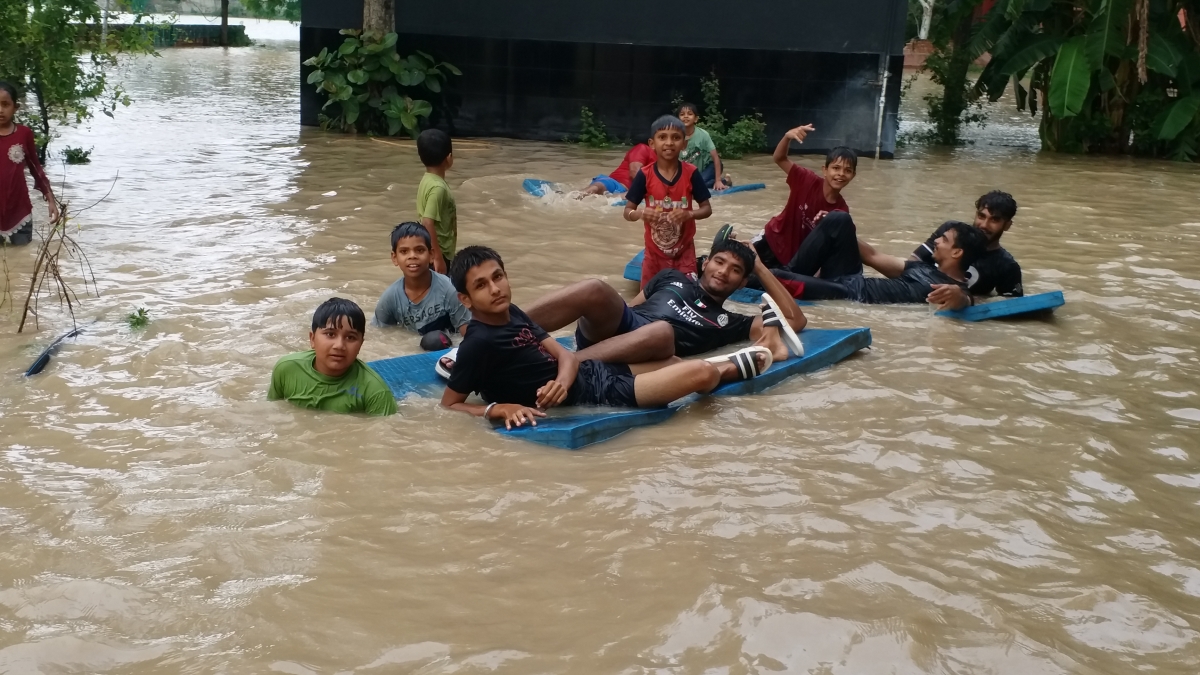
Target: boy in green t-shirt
(435,204)
(701,152)
(329,376)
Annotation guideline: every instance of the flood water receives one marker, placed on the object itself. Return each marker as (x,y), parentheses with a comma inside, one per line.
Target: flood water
(1004,497)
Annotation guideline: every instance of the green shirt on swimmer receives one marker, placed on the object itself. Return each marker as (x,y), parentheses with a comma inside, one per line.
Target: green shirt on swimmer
(359,390)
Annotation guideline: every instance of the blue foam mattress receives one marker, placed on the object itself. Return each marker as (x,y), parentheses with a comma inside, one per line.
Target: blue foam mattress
(574,428)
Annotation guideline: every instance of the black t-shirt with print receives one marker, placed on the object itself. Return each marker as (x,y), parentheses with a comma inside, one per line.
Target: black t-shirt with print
(995,271)
(505,364)
(701,323)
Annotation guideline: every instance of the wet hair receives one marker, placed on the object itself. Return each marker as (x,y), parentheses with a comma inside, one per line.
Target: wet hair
(410,229)
(972,242)
(686,106)
(433,146)
(666,122)
(842,152)
(332,311)
(467,258)
(998,204)
(743,253)
(12,91)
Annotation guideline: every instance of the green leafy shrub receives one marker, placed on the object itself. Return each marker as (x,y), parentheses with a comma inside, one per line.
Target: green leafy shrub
(138,319)
(748,134)
(77,155)
(369,87)
(592,132)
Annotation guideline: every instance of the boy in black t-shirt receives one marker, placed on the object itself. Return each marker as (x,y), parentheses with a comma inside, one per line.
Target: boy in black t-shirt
(833,249)
(521,371)
(995,270)
(674,314)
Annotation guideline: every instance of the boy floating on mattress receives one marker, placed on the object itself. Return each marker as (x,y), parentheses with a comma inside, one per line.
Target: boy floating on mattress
(521,371)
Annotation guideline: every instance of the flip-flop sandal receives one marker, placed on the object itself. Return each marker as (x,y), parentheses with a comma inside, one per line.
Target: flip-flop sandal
(773,317)
(747,365)
(722,235)
(441,368)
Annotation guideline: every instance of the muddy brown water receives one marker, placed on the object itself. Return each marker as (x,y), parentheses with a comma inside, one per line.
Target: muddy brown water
(1005,497)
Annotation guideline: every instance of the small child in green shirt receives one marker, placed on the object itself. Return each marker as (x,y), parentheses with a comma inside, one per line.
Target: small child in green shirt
(435,204)
(701,152)
(329,376)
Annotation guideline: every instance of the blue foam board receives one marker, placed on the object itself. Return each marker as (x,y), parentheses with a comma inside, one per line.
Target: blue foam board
(1011,307)
(567,429)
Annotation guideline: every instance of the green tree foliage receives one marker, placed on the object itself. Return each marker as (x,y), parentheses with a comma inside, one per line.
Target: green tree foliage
(273,9)
(52,51)
(1113,76)
(369,87)
(748,134)
(592,132)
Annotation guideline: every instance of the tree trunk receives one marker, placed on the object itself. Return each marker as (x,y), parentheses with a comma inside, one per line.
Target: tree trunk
(44,113)
(954,86)
(224,23)
(379,17)
(926,19)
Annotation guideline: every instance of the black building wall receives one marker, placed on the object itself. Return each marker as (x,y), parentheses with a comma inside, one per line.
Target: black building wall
(528,67)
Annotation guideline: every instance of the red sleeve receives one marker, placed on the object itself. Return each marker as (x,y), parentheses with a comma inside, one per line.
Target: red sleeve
(800,177)
(35,169)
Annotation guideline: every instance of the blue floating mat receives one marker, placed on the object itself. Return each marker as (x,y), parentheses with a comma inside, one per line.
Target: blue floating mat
(540,188)
(1011,307)
(997,309)
(822,348)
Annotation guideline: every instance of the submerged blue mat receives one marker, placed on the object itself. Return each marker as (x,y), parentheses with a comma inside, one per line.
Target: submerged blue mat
(996,309)
(540,188)
(572,430)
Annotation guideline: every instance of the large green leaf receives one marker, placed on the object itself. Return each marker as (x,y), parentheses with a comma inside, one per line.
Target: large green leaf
(1071,79)
(1039,48)
(1188,77)
(351,110)
(350,45)
(357,76)
(450,67)
(1014,9)
(422,108)
(432,84)
(1106,34)
(315,77)
(992,28)
(1162,56)
(1183,112)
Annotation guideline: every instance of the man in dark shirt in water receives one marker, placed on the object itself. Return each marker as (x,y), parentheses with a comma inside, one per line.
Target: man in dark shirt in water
(833,249)
(674,315)
(995,270)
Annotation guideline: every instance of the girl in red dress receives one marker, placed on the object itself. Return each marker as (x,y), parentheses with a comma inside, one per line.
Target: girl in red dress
(18,151)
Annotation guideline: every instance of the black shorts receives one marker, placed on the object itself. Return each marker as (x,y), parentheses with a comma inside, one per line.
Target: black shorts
(608,384)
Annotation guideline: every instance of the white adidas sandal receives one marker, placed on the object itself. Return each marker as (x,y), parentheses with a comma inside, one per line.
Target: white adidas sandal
(441,369)
(773,317)
(747,365)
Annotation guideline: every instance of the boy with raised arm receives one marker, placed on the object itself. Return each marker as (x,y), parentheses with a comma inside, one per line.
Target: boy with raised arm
(810,197)
(521,371)
(675,198)
(329,376)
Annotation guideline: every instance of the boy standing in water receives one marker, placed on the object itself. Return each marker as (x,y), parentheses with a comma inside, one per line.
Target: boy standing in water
(422,300)
(675,198)
(810,197)
(701,151)
(18,152)
(618,181)
(435,204)
(329,376)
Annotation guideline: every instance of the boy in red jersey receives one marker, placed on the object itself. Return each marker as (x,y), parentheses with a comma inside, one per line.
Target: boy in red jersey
(810,197)
(618,181)
(675,198)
